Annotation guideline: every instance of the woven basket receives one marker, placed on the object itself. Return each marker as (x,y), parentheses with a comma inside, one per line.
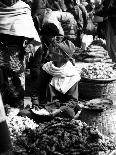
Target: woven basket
(105,121)
(90,89)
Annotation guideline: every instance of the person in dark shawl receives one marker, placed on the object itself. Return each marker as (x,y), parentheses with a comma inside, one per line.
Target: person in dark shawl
(108,12)
(18,39)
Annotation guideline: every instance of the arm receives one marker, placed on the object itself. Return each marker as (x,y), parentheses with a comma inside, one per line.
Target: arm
(84,15)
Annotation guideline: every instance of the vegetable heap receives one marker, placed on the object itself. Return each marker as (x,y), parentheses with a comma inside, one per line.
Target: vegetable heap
(99,42)
(98,71)
(18,124)
(59,137)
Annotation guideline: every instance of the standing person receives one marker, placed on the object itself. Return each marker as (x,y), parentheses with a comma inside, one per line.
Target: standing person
(108,12)
(38,8)
(18,38)
(79,12)
(57,85)
(101,24)
(49,36)
(64,21)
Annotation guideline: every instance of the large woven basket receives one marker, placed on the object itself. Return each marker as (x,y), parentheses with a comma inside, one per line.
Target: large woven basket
(90,89)
(105,121)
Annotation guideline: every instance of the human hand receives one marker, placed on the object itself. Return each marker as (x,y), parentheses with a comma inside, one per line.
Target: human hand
(30,50)
(55,112)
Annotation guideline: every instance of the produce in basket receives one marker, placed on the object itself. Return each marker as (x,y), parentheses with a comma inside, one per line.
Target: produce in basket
(98,71)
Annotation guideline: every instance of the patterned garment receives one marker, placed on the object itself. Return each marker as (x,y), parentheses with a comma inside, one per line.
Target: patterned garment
(9,56)
(12,63)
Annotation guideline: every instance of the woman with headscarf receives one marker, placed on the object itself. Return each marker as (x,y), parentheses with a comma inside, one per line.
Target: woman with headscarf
(57,86)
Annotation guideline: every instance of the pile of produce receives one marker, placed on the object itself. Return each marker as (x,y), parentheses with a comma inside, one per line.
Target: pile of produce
(18,124)
(58,137)
(98,71)
(100,42)
(95,52)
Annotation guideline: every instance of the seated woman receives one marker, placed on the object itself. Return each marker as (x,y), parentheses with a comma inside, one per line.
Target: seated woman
(57,85)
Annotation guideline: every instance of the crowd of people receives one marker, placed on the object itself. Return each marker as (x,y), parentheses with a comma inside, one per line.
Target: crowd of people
(43,35)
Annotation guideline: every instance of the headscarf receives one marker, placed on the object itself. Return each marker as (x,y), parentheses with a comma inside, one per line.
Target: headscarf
(67,47)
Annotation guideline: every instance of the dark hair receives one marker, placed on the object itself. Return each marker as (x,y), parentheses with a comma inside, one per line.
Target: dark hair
(49,29)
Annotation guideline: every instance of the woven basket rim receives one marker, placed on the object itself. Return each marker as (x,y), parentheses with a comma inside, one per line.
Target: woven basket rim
(99,80)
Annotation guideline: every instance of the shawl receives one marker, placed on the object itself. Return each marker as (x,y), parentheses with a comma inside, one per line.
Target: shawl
(17,20)
(64,77)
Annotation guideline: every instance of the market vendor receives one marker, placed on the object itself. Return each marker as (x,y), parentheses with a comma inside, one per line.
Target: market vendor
(57,85)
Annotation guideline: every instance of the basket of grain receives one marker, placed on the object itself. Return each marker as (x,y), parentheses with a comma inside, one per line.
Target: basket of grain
(98,80)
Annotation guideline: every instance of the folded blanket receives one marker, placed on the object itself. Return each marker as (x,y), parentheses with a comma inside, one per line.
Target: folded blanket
(64,77)
(17,20)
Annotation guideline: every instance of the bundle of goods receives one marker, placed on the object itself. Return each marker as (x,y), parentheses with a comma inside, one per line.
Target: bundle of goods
(96,52)
(99,42)
(58,137)
(18,124)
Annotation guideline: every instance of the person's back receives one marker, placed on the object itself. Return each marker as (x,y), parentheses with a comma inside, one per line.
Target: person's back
(80,14)
(65,22)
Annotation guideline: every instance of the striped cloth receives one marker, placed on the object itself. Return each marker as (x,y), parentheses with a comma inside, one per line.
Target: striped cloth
(17,20)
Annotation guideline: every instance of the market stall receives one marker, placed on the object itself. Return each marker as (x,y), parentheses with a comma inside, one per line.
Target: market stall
(94,131)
